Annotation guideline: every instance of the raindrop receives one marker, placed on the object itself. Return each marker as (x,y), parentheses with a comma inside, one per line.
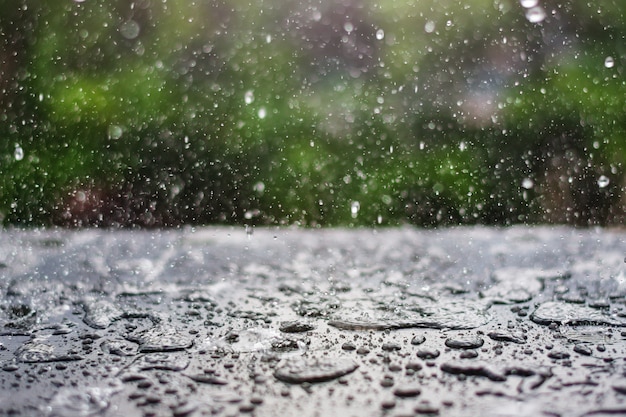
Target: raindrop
(583,350)
(558,355)
(603,181)
(535,14)
(609,62)
(115,132)
(565,313)
(473,368)
(527,4)
(296,327)
(502,336)
(429,27)
(527,183)
(18,154)
(427,354)
(354,209)
(380,34)
(158,361)
(407,391)
(249,97)
(36,352)
(130,29)
(464,343)
(259,187)
(262,113)
(348,27)
(81,402)
(299,370)
(418,340)
(161,339)
(100,314)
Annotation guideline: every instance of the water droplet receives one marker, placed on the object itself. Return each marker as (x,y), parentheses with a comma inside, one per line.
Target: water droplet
(418,340)
(100,314)
(527,4)
(583,349)
(527,183)
(262,113)
(208,379)
(429,27)
(407,391)
(158,361)
(609,62)
(295,327)
(81,402)
(453,314)
(299,370)
(473,368)
(502,336)
(380,34)
(161,339)
(558,355)
(535,14)
(115,132)
(348,27)
(248,97)
(130,29)
(18,154)
(464,343)
(36,352)
(565,313)
(119,347)
(603,181)
(354,209)
(427,353)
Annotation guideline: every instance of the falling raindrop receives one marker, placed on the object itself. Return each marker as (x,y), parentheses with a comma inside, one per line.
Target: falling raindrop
(527,4)
(380,34)
(429,27)
(262,113)
(527,183)
(603,181)
(18,154)
(259,187)
(354,209)
(609,62)
(130,29)
(249,97)
(535,14)
(115,132)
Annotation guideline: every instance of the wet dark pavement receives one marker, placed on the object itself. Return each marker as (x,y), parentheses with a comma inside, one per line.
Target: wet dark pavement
(391,322)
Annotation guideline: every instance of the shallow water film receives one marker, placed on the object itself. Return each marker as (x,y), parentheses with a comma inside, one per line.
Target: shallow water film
(392,322)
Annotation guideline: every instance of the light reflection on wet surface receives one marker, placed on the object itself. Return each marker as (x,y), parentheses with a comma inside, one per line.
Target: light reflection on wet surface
(214,321)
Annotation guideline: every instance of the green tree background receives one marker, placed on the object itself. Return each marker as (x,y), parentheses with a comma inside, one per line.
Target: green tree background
(161,113)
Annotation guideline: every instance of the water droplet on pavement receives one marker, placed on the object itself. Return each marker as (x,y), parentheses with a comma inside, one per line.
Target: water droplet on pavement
(300,370)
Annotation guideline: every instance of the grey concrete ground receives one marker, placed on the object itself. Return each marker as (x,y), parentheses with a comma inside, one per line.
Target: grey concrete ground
(286,322)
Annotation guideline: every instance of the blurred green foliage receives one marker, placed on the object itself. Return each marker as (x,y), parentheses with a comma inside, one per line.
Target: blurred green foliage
(160,113)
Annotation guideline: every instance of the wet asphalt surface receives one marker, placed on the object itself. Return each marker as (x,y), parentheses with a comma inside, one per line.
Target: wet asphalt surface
(288,322)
